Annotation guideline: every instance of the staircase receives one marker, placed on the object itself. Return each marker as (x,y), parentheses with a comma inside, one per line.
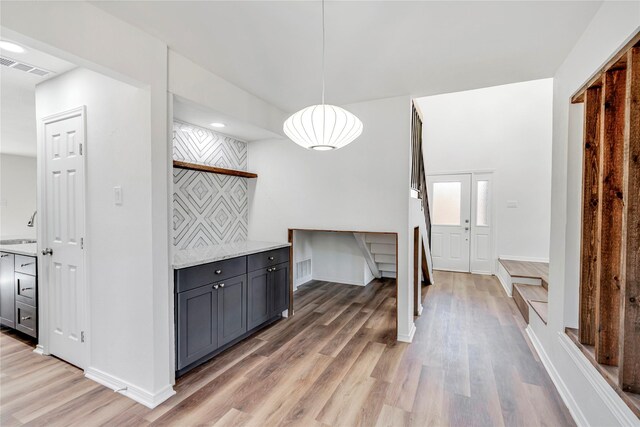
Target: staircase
(528,283)
(379,251)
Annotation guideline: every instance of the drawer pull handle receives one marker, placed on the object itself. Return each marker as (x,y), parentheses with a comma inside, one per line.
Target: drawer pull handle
(218,271)
(4,255)
(25,317)
(28,263)
(25,289)
(222,285)
(271,258)
(215,286)
(271,269)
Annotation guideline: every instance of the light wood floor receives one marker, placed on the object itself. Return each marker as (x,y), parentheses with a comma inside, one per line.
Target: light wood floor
(336,362)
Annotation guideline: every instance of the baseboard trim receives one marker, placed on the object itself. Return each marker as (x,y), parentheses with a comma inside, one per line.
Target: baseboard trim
(39,350)
(506,286)
(408,337)
(420,308)
(522,258)
(616,405)
(564,392)
(144,397)
(334,280)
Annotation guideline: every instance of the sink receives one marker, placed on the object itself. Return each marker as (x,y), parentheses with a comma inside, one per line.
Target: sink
(17,241)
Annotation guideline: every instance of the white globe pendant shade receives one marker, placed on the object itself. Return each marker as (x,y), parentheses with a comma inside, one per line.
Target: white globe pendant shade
(322,127)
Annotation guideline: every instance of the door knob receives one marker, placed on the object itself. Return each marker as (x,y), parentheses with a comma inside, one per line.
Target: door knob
(47,251)
(466,229)
(222,285)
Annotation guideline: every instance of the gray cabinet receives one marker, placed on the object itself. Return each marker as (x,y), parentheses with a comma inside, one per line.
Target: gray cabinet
(218,303)
(279,285)
(259,310)
(7,291)
(197,324)
(232,313)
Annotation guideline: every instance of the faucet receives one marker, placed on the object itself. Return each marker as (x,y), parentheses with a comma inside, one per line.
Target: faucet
(32,220)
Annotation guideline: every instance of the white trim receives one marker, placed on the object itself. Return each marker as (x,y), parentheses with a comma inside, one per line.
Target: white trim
(420,308)
(564,392)
(409,336)
(39,350)
(482,273)
(505,280)
(140,395)
(607,394)
(339,280)
(460,172)
(522,258)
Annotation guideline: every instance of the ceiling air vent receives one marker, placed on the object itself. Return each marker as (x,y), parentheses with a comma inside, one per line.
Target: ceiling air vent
(7,62)
(12,63)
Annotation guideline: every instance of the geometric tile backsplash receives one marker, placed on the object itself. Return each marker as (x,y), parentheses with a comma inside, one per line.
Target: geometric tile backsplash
(208,208)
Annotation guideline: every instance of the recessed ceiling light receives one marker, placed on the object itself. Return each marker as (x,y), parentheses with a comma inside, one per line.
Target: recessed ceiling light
(218,125)
(11,47)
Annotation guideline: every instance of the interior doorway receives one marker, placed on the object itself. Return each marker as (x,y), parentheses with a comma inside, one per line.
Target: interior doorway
(379,255)
(462,223)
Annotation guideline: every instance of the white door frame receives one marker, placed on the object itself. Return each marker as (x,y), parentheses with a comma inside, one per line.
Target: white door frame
(482,174)
(43,260)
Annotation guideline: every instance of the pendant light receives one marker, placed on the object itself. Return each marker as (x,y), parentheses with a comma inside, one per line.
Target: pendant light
(322,127)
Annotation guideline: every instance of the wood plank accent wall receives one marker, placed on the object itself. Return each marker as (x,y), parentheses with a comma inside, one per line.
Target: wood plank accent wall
(609,316)
(630,328)
(590,206)
(611,205)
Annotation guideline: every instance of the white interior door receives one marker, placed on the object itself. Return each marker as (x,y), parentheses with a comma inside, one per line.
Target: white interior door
(450,204)
(65,225)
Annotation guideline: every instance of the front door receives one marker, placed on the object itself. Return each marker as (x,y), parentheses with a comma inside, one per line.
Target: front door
(450,203)
(64,140)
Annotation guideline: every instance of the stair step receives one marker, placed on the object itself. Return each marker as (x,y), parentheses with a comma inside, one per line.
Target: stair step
(391,259)
(380,248)
(387,267)
(388,239)
(389,274)
(535,296)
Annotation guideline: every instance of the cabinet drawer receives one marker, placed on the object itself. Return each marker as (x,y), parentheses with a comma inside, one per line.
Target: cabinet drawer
(268,259)
(199,275)
(25,265)
(26,289)
(26,319)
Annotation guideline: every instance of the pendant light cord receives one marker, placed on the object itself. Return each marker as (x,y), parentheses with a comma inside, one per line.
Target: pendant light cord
(323,43)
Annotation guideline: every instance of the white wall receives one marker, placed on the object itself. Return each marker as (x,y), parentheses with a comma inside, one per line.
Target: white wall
(17,195)
(362,187)
(17,115)
(336,257)
(591,401)
(506,129)
(119,265)
(194,83)
(124,52)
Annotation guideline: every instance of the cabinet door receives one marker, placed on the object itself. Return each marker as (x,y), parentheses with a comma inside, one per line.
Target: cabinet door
(7,290)
(279,286)
(258,298)
(232,313)
(197,324)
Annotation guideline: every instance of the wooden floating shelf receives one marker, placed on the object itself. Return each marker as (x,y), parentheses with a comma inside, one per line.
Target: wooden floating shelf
(204,168)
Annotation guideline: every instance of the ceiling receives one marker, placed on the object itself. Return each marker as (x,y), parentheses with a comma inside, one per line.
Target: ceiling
(17,100)
(190,112)
(374,49)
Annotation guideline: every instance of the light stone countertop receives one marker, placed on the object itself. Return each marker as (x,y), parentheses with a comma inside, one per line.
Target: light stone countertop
(29,249)
(189,257)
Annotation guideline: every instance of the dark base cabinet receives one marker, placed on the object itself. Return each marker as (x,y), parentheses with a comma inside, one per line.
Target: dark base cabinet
(219,304)
(19,293)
